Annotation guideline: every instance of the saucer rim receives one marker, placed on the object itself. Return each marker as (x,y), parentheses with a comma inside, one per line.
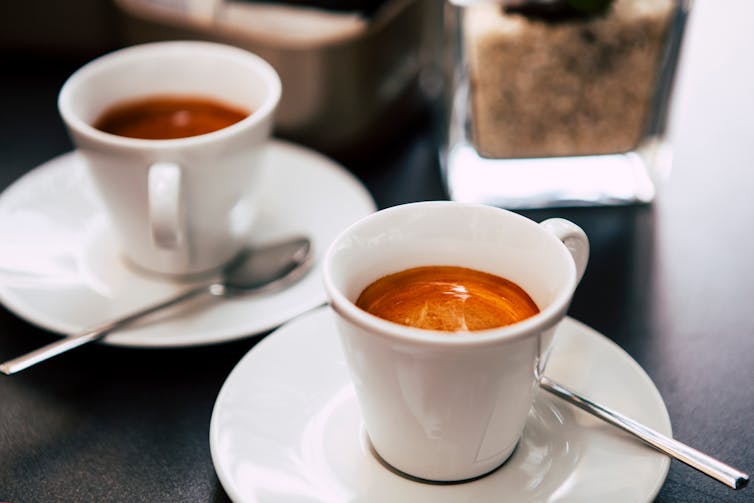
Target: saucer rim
(648,387)
(19,305)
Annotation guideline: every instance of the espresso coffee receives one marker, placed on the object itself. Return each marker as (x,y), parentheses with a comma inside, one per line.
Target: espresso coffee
(168,117)
(447,298)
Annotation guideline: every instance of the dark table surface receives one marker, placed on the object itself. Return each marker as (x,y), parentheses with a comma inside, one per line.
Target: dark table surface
(672,283)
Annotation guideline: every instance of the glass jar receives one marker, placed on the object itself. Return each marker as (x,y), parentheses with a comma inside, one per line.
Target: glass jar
(558,111)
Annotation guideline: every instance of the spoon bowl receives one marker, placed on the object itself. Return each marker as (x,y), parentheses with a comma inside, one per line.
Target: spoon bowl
(265,269)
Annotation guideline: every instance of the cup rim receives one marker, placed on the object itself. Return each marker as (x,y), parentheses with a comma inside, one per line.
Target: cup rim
(545,319)
(72,119)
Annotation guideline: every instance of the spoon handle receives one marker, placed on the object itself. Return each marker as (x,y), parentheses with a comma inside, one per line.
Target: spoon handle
(93,334)
(706,464)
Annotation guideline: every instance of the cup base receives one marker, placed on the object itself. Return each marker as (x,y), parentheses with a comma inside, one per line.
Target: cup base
(180,277)
(408,476)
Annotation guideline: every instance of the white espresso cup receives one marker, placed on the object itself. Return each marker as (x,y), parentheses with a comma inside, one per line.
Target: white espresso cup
(178,206)
(447,406)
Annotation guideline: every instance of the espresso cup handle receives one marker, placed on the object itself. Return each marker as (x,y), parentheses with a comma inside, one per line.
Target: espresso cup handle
(574,239)
(166,218)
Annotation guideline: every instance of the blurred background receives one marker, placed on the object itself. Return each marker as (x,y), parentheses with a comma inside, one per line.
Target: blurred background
(347,66)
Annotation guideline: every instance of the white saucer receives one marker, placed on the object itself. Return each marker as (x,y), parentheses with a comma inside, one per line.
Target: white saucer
(59,267)
(286,427)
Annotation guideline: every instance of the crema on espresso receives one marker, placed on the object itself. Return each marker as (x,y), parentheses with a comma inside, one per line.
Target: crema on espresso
(447,298)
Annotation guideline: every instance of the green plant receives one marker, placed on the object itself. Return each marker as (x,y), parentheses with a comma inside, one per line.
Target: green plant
(557,10)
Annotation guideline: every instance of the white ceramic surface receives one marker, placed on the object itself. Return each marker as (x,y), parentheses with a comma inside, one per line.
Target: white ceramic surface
(438,406)
(286,427)
(186,205)
(60,268)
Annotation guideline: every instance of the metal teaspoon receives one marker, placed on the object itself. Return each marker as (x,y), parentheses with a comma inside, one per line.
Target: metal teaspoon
(255,270)
(698,460)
